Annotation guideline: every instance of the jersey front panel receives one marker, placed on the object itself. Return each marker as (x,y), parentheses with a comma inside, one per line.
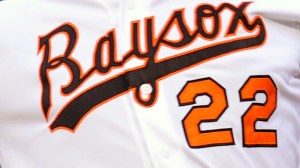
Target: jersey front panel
(149,84)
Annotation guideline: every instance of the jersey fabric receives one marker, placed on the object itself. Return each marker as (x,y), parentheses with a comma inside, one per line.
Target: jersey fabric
(149,84)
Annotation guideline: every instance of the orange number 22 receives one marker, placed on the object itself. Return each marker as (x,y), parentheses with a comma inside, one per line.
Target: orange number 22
(252,137)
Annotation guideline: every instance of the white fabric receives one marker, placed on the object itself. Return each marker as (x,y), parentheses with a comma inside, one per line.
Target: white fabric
(121,132)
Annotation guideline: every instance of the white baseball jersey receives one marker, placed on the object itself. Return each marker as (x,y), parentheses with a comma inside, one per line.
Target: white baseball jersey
(149,84)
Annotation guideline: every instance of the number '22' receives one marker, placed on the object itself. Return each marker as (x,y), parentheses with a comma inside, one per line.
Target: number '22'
(252,137)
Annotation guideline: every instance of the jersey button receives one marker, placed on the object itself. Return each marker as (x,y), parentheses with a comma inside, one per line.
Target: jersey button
(166,153)
(131,6)
(146,89)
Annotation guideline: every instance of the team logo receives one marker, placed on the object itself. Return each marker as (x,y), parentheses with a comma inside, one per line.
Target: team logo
(153,70)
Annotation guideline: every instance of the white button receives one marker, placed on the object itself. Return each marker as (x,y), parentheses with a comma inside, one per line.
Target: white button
(146,89)
(131,6)
(114,21)
(165,153)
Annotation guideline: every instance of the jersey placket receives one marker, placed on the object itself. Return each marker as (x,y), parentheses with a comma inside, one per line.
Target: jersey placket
(156,137)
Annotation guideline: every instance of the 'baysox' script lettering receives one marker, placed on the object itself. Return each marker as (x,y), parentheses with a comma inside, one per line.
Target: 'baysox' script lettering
(153,70)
